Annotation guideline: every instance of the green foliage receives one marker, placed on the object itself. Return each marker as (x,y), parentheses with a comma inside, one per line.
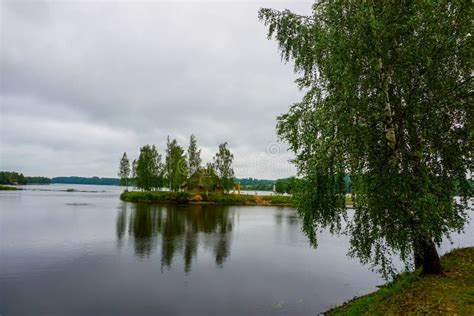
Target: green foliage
(7,188)
(10,177)
(209,178)
(287,185)
(85,180)
(223,167)
(194,161)
(7,177)
(278,200)
(124,170)
(156,197)
(389,101)
(37,180)
(149,169)
(251,184)
(176,165)
(180,172)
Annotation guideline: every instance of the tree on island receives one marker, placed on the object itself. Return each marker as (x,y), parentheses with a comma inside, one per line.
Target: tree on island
(209,177)
(179,171)
(149,169)
(124,171)
(223,167)
(389,102)
(194,162)
(176,165)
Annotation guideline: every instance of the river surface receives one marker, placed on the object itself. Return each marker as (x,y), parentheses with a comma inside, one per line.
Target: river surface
(88,253)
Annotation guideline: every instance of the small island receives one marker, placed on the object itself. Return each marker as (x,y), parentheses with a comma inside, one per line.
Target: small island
(165,197)
(186,180)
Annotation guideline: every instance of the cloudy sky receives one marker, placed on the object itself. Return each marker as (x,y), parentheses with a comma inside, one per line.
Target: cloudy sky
(81,82)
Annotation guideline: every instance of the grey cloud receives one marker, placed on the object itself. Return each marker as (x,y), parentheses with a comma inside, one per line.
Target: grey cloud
(90,80)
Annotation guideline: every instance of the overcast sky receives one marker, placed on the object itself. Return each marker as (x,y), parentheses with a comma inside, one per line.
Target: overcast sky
(82,82)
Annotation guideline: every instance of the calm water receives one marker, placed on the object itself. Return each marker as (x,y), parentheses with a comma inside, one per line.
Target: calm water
(84,253)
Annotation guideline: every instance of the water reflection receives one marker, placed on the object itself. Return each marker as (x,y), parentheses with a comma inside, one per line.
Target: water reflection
(177,230)
(281,215)
(121,224)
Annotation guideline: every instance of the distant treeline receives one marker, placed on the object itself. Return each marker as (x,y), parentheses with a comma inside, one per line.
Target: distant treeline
(14,178)
(252,184)
(37,180)
(248,184)
(84,180)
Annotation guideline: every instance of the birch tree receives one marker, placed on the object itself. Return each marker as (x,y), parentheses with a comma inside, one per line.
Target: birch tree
(388,100)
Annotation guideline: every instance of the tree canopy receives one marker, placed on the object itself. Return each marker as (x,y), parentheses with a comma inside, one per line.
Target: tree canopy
(194,160)
(223,167)
(287,185)
(149,168)
(179,171)
(124,170)
(176,165)
(388,100)
(11,177)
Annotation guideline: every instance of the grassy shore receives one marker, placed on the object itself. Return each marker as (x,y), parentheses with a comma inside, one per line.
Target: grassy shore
(7,188)
(203,198)
(412,294)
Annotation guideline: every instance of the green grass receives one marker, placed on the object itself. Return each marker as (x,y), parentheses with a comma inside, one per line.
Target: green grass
(412,294)
(203,198)
(7,188)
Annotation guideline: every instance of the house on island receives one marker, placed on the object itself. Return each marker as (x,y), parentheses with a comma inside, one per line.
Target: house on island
(201,183)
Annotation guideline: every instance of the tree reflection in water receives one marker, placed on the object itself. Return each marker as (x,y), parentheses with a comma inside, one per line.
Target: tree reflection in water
(180,229)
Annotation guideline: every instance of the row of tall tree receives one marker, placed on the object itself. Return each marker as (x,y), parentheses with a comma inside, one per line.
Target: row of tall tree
(180,169)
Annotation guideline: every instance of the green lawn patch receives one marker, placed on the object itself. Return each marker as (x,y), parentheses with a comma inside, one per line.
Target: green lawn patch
(410,293)
(8,188)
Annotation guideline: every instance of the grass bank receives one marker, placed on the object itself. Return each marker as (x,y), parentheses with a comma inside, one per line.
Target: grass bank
(203,198)
(452,294)
(8,188)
